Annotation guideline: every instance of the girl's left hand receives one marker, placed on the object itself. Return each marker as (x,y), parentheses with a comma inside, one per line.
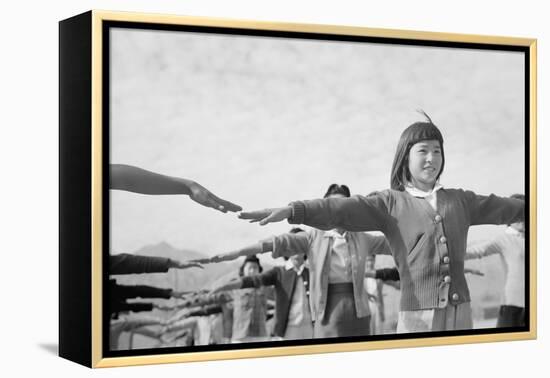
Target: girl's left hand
(266,216)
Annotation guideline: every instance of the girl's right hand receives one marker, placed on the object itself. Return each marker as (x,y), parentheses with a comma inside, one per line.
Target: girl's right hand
(266,216)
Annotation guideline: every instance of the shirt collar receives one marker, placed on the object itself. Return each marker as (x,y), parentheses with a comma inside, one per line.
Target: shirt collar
(334,234)
(290,266)
(413,191)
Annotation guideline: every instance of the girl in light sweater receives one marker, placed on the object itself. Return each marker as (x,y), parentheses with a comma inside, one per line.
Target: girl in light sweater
(425,224)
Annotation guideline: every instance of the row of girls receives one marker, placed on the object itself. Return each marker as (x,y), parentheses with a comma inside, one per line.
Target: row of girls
(424,227)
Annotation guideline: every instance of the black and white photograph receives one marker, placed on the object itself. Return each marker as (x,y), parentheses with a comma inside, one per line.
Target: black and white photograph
(290,190)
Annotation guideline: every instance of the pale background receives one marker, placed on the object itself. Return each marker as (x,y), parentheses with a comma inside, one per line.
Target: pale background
(264,121)
(29,190)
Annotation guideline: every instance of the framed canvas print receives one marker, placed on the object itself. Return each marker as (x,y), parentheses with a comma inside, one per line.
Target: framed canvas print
(234,189)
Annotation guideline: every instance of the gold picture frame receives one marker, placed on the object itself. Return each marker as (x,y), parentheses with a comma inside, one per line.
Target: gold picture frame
(83,217)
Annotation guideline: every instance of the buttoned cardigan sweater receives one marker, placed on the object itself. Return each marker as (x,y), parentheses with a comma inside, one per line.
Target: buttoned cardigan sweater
(428,246)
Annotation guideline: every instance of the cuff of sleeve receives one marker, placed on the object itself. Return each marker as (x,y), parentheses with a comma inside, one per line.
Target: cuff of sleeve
(169,263)
(274,249)
(298,213)
(266,245)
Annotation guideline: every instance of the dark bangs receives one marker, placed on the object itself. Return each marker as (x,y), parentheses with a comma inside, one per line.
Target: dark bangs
(413,134)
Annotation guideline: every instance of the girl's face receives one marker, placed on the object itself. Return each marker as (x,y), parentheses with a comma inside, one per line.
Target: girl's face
(425,161)
(251,268)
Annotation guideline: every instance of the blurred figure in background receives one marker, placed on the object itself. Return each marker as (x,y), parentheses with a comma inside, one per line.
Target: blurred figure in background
(510,246)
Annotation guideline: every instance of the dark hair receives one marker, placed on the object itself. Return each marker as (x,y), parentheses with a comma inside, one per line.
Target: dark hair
(417,132)
(337,189)
(295,230)
(253,259)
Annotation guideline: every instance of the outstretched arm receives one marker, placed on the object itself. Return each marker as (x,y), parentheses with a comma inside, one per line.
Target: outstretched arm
(494,209)
(288,244)
(266,216)
(182,324)
(249,250)
(380,245)
(126,263)
(482,249)
(234,284)
(137,180)
(145,331)
(207,299)
(134,321)
(356,213)
(257,280)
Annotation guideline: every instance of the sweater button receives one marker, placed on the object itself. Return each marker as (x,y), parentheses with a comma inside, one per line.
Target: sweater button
(447,279)
(446,259)
(443,240)
(455,297)
(437,218)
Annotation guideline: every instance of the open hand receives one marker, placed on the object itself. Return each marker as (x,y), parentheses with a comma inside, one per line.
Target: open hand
(266,216)
(188,264)
(201,195)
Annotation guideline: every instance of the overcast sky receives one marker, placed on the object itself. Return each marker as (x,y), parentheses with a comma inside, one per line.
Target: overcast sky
(264,121)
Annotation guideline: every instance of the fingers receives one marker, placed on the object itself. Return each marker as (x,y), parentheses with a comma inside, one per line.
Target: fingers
(265,216)
(220,204)
(226,205)
(199,262)
(192,265)
(254,215)
(269,219)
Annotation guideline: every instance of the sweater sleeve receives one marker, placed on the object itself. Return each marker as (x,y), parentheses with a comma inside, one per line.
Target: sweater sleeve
(493,209)
(287,245)
(356,213)
(134,307)
(479,250)
(126,263)
(268,278)
(380,245)
(142,291)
